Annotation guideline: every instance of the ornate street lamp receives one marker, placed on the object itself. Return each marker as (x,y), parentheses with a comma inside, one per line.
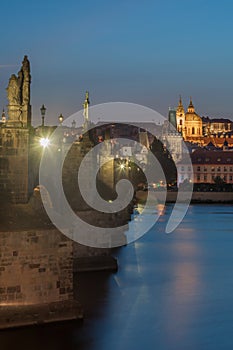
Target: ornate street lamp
(60,119)
(42,110)
(44,142)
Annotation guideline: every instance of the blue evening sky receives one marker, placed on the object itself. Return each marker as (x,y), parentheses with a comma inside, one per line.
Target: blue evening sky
(147,52)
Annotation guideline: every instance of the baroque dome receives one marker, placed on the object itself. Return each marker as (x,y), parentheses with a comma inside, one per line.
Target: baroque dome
(190,117)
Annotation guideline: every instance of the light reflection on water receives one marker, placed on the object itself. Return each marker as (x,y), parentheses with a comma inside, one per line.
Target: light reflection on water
(171,292)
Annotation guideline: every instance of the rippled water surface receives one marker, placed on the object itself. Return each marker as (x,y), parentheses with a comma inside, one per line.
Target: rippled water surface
(172,291)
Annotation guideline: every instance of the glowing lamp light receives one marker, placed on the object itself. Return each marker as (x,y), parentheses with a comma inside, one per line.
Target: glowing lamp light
(122,166)
(60,118)
(44,142)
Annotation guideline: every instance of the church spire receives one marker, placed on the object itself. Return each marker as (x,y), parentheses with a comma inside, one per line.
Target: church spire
(180,116)
(86,111)
(191,102)
(191,107)
(180,107)
(180,102)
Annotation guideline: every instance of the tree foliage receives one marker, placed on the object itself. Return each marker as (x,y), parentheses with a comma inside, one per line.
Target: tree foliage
(165,160)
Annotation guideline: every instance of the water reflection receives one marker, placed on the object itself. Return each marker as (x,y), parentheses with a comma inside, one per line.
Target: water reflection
(170,292)
(161,209)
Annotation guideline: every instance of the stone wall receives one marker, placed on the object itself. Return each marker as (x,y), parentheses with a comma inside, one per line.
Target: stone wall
(14,167)
(205,197)
(36,267)
(214,197)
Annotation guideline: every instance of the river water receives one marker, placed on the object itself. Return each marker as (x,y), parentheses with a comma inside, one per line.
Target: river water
(171,292)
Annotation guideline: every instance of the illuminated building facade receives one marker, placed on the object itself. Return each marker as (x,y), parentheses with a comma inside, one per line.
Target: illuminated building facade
(189,124)
(207,166)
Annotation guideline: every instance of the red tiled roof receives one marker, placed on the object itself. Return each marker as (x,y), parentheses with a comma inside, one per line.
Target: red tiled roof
(216,120)
(212,157)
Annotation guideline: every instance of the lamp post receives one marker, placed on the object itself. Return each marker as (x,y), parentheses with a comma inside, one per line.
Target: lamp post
(60,119)
(42,110)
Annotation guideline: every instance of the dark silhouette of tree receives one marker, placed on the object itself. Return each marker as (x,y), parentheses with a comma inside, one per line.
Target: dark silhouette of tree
(219,181)
(165,160)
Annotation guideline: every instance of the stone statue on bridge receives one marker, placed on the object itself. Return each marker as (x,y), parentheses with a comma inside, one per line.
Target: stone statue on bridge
(13,91)
(18,89)
(18,93)
(26,81)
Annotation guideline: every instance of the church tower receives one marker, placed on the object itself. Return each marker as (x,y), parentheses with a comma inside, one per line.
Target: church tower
(86,112)
(193,124)
(180,117)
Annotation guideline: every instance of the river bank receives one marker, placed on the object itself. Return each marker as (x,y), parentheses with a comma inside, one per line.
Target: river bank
(197,197)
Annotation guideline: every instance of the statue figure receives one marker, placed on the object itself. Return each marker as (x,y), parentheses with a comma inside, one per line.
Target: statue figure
(26,80)
(13,91)
(18,91)
(26,64)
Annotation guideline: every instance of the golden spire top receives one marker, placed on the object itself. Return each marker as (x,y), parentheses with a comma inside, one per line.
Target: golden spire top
(180,107)
(191,102)
(87,97)
(87,101)
(191,107)
(180,102)
(86,112)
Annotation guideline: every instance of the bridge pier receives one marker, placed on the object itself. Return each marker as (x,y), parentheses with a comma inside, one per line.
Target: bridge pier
(36,278)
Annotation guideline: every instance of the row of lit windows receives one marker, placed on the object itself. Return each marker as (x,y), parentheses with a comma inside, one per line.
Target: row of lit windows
(184,177)
(198,131)
(183,168)
(219,168)
(219,159)
(212,169)
(213,177)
